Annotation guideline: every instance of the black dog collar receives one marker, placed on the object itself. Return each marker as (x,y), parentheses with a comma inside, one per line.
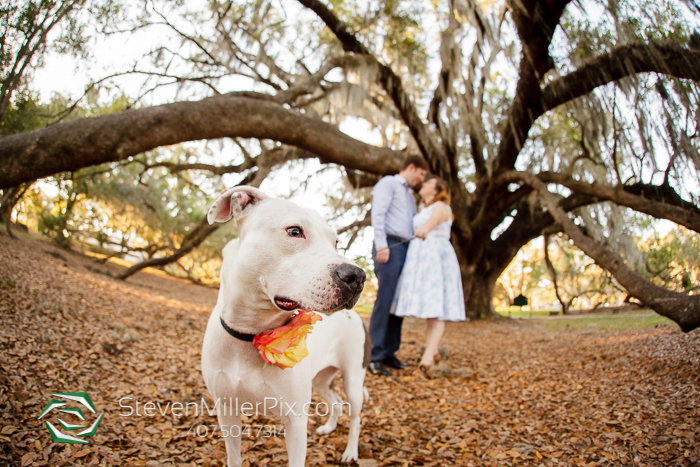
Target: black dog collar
(241,336)
(238,335)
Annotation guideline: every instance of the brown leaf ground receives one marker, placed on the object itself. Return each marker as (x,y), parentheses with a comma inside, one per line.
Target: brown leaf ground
(517,393)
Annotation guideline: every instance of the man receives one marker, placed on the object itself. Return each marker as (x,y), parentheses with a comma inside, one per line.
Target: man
(393,208)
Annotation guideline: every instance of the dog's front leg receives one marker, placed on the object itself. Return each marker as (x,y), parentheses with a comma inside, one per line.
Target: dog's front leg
(295,427)
(230,426)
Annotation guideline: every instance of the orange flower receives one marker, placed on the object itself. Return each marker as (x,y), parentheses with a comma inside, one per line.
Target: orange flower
(285,346)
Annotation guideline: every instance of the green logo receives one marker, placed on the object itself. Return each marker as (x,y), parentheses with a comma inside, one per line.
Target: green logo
(80,397)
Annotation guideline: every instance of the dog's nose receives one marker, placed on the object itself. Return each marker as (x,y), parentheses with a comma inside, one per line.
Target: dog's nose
(350,276)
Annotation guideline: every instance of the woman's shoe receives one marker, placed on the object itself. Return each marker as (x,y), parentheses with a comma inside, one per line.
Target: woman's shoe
(424,369)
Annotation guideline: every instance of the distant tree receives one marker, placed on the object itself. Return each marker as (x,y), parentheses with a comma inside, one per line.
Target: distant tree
(144,209)
(28,29)
(575,276)
(671,261)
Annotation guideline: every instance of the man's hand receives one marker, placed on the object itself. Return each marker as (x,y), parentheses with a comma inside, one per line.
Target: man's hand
(383,255)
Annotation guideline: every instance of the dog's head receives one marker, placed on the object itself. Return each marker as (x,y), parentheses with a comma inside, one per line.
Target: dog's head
(289,252)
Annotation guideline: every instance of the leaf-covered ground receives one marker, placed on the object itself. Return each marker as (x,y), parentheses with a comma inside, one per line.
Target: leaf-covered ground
(509,393)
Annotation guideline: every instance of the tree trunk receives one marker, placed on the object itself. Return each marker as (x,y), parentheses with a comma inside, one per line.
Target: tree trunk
(9,199)
(553,273)
(478,282)
(478,298)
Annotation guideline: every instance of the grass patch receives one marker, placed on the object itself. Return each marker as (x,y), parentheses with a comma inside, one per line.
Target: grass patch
(364,309)
(516,312)
(607,323)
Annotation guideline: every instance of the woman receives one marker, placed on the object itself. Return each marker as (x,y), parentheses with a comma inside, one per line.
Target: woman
(431,285)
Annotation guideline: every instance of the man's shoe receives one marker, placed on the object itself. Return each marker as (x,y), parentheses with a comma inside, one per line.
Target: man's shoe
(394,362)
(378,368)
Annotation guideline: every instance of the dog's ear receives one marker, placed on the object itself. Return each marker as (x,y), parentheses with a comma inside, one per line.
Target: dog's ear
(233,203)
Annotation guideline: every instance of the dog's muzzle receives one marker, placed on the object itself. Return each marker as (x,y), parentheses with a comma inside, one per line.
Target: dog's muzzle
(350,281)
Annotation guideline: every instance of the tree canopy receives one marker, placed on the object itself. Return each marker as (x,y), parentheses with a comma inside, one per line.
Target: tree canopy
(544,116)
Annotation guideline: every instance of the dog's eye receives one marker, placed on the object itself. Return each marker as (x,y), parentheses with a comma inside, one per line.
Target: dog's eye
(336,245)
(295,232)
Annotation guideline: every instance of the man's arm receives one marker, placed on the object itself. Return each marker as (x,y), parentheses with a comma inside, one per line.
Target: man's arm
(381,200)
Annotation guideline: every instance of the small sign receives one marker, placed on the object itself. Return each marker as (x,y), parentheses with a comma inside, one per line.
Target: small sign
(520,300)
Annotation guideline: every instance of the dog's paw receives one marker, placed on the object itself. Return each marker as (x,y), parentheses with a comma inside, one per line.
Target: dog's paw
(326,429)
(350,455)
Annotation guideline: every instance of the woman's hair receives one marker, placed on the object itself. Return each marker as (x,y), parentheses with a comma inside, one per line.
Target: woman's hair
(443,191)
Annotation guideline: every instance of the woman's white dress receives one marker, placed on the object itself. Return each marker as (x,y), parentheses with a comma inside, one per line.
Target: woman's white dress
(431,284)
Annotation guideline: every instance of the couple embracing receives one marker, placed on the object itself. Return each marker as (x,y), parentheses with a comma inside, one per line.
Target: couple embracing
(415,264)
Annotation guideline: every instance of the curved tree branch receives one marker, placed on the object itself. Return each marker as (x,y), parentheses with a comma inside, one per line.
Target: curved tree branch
(214,169)
(196,236)
(666,58)
(527,224)
(679,307)
(531,102)
(189,243)
(652,200)
(392,85)
(535,21)
(109,138)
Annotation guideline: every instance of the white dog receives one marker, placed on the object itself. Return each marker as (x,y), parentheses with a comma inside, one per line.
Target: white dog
(284,259)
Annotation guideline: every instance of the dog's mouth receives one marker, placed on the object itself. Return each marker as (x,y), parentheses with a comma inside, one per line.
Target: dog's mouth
(348,305)
(285,303)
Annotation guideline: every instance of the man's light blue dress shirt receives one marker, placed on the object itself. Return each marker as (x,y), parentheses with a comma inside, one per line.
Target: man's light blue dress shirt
(393,208)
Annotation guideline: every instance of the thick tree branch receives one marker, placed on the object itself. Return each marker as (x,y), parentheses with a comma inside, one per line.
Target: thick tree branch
(361,179)
(90,141)
(681,308)
(665,58)
(531,102)
(392,85)
(653,200)
(527,224)
(535,21)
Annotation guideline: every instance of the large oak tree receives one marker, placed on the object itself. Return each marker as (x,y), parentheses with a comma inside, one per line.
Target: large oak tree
(596,100)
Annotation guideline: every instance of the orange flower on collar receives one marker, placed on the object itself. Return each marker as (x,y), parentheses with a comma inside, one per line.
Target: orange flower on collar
(285,346)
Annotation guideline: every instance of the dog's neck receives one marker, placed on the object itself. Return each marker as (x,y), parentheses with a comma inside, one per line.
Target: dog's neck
(243,318)
(246,308)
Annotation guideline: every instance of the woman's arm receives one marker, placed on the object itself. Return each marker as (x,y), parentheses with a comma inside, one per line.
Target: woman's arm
(440,214)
